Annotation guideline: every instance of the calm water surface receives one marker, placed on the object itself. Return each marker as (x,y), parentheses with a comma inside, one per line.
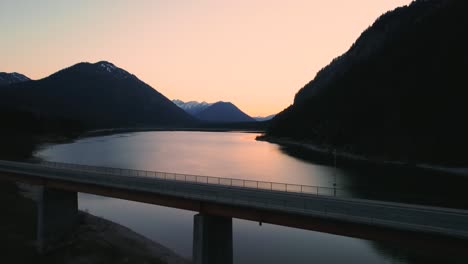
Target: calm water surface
(232,155)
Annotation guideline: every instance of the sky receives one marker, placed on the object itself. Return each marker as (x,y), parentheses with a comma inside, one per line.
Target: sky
(254,53)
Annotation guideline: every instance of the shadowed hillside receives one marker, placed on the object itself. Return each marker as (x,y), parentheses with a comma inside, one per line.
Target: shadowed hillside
(398,93)
(99,95)
(9,78)
(21,132)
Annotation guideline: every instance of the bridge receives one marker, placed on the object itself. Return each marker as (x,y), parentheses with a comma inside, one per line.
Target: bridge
(218,200)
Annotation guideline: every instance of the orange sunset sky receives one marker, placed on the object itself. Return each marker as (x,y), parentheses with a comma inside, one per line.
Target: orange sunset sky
(254,53)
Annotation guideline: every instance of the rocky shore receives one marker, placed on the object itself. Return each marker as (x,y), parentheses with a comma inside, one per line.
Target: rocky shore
(95,240)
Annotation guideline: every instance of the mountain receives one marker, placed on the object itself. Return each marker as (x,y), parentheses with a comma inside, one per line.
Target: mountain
(264,118)
(99,95)
(223,112)
(191,107)
(399,92)
(10,78)
(219,112)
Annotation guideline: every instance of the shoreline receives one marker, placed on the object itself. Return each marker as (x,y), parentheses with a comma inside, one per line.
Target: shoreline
(118,236)
(50,140)
(115,131)
(286,142)
(95,240)
(355,158)
(99,235)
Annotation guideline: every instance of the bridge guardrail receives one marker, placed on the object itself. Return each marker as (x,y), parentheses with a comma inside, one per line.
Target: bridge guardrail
(439,198)
(435,220)
(228,182)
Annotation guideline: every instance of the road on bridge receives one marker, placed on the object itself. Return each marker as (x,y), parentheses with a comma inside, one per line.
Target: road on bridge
(254,202)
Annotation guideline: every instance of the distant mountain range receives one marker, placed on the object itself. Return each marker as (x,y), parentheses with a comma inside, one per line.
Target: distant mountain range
(191,107)
(100,95)
(400,92)
(219,112)
(264,118)
(10,78)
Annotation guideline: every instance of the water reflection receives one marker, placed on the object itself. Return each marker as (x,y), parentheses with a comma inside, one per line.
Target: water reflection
(230,155)
(419,255)
(252,244)
(392,183)
(170,227)
(238,155)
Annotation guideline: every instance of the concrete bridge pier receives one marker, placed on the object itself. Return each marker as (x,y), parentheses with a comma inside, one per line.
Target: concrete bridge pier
(57,216)
(212,239)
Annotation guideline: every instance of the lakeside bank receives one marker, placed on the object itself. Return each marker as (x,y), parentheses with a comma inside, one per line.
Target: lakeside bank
(95,240)
(329,154)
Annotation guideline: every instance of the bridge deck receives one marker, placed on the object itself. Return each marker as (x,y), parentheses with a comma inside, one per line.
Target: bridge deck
(292,206)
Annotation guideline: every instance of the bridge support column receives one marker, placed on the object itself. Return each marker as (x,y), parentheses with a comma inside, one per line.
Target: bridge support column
(57,216)
(212,239)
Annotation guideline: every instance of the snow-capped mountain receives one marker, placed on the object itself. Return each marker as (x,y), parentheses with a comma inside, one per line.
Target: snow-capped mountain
(219,112)
(192,107)
(14,77)
(109,68)
(104,68)
(99,95)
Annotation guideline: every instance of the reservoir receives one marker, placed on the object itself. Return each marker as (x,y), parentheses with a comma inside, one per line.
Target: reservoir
(240,156)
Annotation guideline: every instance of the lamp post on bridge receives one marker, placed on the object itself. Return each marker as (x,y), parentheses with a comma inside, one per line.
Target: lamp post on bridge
(334,172)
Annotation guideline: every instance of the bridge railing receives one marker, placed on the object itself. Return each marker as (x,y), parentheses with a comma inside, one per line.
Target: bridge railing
(228,182)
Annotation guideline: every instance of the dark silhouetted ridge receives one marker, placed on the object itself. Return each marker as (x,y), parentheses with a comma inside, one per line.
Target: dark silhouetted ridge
(400,92)
(223,112)
(10,78)
(99,95)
